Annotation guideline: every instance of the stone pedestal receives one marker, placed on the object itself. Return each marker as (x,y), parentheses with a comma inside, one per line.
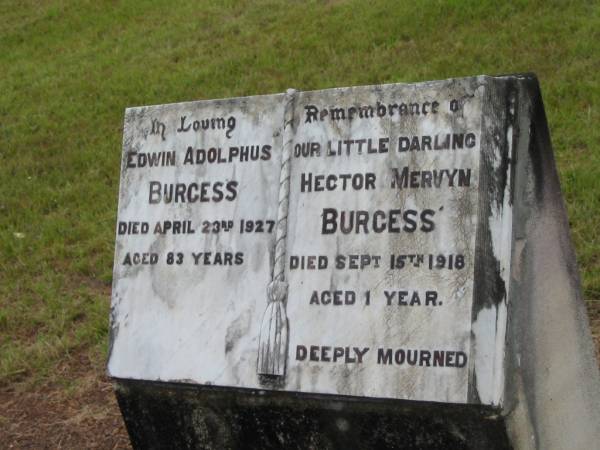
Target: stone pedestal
(162,415)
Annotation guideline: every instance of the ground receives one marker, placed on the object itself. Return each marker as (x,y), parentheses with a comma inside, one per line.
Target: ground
(84,416)
(68,70)
(594,315)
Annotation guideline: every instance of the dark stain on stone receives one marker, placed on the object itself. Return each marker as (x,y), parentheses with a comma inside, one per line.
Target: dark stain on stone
(238,328)
(113,330)
(473,392)
(539,141)
(489,287)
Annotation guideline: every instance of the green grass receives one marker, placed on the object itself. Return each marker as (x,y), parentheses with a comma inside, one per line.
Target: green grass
(69,69)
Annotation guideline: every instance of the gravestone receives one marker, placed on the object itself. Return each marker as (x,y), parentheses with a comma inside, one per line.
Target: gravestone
(366,267)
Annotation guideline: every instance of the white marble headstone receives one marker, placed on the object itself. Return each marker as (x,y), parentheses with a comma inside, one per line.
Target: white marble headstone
(383,208)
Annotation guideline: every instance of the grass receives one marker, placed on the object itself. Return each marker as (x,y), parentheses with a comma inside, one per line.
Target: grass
(69,68)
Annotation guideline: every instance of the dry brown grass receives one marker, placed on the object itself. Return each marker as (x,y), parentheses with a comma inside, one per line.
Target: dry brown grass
(81,415)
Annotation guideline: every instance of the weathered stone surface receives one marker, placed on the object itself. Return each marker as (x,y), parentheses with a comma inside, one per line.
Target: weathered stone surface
(383,200)
(192,313)
(399,236)
(552,388)
(399,266)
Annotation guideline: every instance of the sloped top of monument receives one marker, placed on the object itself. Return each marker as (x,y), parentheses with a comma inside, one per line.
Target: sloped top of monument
(244,98)
(214,102)
(445,83)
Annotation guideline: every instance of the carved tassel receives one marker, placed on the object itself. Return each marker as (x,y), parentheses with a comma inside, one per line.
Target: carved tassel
(273,338)
(272,346)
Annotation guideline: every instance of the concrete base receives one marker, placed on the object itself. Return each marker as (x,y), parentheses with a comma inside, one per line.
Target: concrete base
(163,415)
